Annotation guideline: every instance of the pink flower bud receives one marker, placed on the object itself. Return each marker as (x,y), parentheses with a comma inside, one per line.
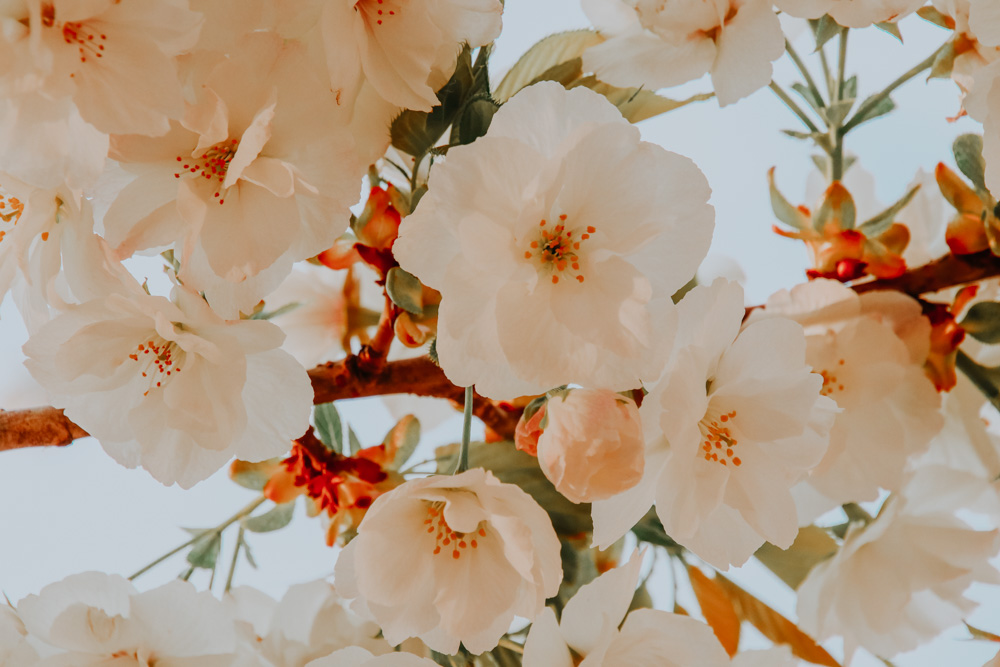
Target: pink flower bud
(592,446)
(528,431)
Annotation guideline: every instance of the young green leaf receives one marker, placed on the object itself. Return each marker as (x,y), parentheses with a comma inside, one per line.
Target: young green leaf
(405,290)
(276,518)
(328,427)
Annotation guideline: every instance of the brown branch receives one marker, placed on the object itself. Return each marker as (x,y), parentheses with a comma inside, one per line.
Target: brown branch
(37,427)
(349,378)
(368,374)
(948,271)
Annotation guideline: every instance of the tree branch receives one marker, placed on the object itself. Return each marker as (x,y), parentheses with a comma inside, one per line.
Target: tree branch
(360,376)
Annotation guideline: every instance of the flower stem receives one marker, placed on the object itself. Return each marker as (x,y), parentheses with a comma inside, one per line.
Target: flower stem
(837,155)
(876,99)
(790,103)
(800,64)
(236,555)
(218,529)
(463,454)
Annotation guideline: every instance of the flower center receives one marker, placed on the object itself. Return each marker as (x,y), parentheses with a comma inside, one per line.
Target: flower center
(377,10)
(555,249)
(719,444)
(156,361)
(212,165)
(89,43)
(10,212)
(446,537)
(713,33)
(831,385)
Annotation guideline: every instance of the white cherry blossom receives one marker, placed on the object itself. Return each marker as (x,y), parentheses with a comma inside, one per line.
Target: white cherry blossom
(734,423)
(257,175)
(169,385)
(477,552)
(592,628)
(313,313)
(311,621)
(851,13)
(358,657)
(406,51)
(556,242)
(98,619)
(652,43)
(15,646)
(870,351)
(899,582)
(77,71)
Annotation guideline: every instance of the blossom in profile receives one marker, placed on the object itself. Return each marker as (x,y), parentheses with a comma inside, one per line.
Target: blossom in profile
(592,629)
(310,621)
(99,619)
(556,242)
(15,646)
(851,13)
(356,656)
(589,443)
(478,552)
(74,72)
(258,174)
(656,44)
(870,351)
(734,423)
(887,604)
(169,385)
(404,51)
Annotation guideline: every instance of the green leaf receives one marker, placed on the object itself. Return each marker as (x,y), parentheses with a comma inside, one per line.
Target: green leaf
(473,121)
(252,476)
(944,64)
(403,438)
(890,28)
(825,29)
(982,322)
(931,14)
(564,73)
(650,529)
(837,112)
(276,518)
(637,104)
(837,204)
(812,546)
(968,150)
(884,106)
(851,88)
(884,220)
(205,552)
(249,554)
(809,96)
(515,467)
(405,290)
(542,57)
(328,427)
(352,439)
(783,209)
(579,568)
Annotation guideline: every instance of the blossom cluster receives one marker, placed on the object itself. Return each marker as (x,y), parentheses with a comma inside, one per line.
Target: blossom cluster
(543,258)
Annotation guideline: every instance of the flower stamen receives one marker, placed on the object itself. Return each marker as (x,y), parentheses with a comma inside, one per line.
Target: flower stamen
(156,359)
(719,444)
(212,165)
(556,249)
(446,537)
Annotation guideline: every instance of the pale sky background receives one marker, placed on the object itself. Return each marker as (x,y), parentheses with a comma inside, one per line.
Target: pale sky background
(72,509)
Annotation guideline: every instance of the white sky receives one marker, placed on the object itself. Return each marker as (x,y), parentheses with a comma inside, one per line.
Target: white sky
(73,509)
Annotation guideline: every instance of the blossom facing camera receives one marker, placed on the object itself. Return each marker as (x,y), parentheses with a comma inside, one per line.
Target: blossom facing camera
(169,385)
(591,445)
(451,559)
(556,241)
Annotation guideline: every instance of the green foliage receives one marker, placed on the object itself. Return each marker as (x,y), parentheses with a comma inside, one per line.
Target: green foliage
(884,220)
(982,322)
(405,290)
(417,132)
(547,61)
(329,429)
(968,150)
(824,29)
(276,518)
(252,476)
(812,546)
(205,551)
(637,104)
(404,437)
(650,530)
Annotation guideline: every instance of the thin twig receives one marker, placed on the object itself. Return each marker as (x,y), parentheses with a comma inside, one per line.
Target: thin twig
(795,108)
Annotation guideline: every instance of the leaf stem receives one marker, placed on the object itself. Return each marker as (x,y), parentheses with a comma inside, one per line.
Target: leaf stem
(837,156)
(463,454)
(876,99)
(790,103)
(218,529)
